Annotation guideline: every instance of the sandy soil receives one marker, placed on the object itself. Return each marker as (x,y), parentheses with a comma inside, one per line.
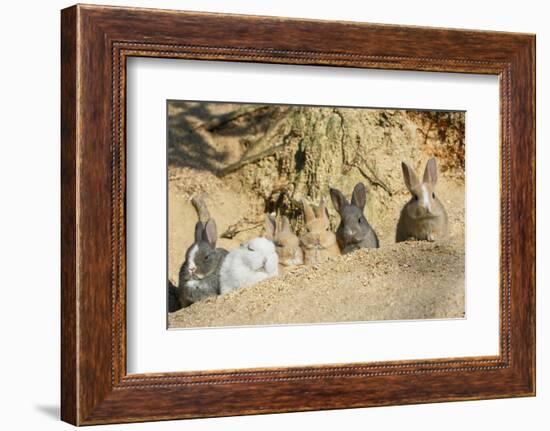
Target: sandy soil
(401,281)
(412,280)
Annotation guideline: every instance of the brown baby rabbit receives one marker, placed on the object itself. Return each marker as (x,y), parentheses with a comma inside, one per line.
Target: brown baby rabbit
(287,244)
(423,217)
(318,241)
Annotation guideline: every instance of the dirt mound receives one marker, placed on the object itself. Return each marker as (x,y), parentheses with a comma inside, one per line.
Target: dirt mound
(413,280)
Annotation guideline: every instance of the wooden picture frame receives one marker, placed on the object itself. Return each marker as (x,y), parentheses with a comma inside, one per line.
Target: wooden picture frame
(95,43)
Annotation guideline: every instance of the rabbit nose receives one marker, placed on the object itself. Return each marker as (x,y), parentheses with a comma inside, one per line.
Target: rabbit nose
(428,208)
(348,231)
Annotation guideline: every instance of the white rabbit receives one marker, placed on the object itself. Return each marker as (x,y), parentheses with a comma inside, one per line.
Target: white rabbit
(252,262)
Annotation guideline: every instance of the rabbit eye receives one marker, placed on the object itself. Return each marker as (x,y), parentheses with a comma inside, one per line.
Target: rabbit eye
(433,195)
(206,257)
(360,220)
(415,197)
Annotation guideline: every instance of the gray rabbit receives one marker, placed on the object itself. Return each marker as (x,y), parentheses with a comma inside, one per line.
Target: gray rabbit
(199,274)
(354,231)
(423,217)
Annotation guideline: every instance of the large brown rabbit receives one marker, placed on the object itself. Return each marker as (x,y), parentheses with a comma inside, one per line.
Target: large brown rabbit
(423,217)
(286,242)
(318,241)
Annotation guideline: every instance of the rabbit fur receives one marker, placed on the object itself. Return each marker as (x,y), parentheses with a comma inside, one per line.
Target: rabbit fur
(250,263)
(173,297)
(199,274)
(354,231)
(287,244)
(318,241)
(423,217)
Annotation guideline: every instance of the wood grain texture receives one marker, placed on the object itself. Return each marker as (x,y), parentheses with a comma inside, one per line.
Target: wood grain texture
(69,396)
(96,41)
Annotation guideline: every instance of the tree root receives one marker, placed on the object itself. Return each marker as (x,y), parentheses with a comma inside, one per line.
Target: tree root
(372,177)
(222,120)
(242,225)
(250,159)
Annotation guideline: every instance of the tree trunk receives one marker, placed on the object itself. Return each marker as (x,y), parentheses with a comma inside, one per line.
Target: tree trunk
(318,148)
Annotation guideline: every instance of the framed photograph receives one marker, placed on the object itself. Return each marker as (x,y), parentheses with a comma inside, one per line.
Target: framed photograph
(266,215)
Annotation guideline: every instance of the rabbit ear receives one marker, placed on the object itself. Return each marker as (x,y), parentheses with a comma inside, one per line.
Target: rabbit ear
(308,212)
(198,231)
(269,225)
(430,173)
(359,196)
(411,180)
(326,217)
(285,224)
(321,209)
(338,199)
(210,233)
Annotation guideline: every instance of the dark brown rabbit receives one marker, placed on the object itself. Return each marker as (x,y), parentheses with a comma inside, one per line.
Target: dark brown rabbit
(423,217)
(354,231)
